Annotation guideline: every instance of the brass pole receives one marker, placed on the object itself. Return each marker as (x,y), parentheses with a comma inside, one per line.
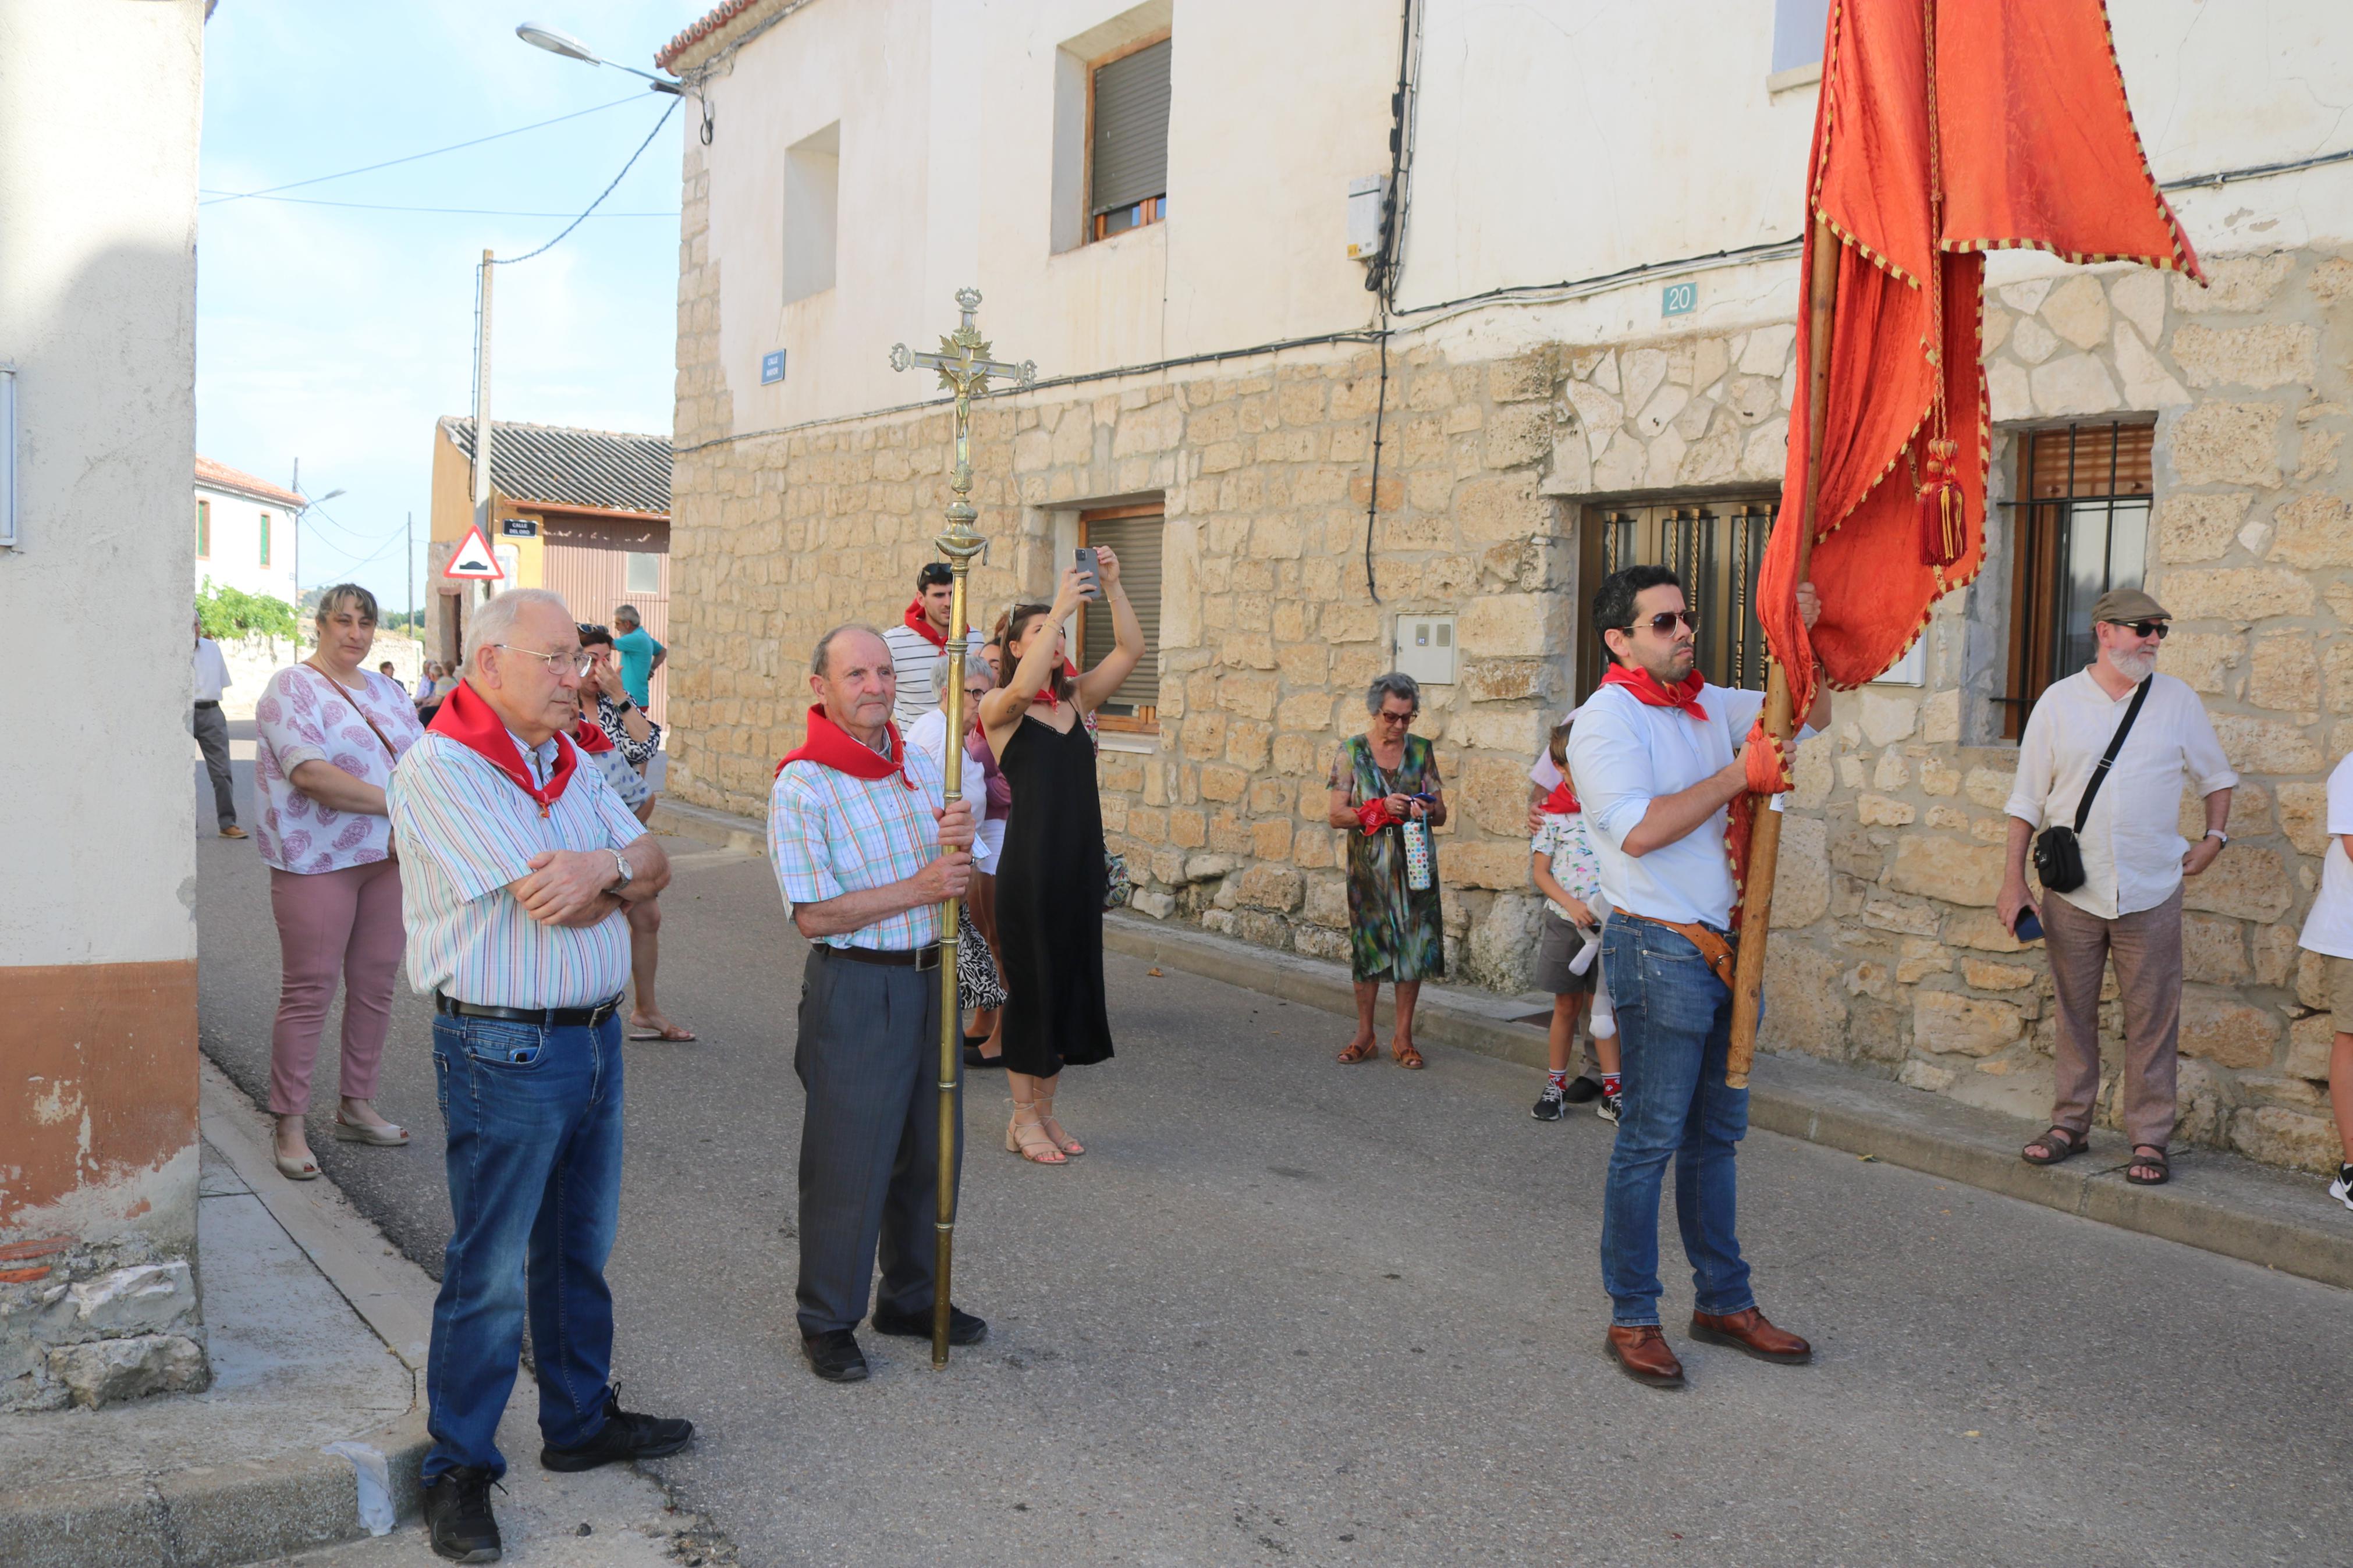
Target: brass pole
(1765,823)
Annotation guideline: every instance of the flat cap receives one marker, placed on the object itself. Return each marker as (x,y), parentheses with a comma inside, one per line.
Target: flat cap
(2121,607)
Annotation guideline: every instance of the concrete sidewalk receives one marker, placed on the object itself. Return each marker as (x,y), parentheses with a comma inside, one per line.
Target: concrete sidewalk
(318,1332)
(2216,1201)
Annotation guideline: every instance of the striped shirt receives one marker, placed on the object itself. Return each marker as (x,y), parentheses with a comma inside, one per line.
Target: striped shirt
(829,834)
(464,831)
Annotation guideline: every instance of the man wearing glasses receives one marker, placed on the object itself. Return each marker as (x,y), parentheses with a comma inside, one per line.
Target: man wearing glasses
(2128,906)
(1654,763)
(517,862)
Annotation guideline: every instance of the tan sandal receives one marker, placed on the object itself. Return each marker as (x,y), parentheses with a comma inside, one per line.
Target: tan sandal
(1029,1139)
(1406,1056)
(1062,1140)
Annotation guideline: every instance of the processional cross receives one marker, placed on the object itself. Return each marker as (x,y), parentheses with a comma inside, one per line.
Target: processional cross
(965,369)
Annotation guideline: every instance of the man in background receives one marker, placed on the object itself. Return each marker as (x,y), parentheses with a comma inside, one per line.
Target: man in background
(639,655)
(212,730)
(920,640)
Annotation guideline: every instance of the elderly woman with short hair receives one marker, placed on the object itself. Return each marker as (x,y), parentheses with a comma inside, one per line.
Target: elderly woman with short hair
(326,734)
(1380,780)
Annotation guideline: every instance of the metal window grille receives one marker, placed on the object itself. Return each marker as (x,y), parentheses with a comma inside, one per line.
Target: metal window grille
(2079,528)
(1136,533)
(1130,137)
(1716,549)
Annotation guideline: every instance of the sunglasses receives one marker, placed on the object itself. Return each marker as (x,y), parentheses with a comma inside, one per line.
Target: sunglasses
(1665,622)
(590,630)
(2146,628)
(1388,717)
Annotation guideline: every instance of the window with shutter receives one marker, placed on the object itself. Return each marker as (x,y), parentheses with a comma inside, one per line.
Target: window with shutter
(1133,533)
(265,539)
(203,530)
(1128,140)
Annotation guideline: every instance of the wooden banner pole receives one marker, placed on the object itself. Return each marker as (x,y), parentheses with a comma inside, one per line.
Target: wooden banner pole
(1765,823)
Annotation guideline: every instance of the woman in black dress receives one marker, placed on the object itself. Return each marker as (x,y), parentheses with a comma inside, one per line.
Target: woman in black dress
(1049,875)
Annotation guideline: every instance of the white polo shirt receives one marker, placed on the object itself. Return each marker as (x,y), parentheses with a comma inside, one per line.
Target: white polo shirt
(1623,755)
(2132,843)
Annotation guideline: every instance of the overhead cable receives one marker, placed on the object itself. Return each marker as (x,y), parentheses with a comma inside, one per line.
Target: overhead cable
(220,197)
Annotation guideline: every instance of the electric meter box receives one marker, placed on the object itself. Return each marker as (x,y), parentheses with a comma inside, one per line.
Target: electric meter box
(1425,648)
(1366,198)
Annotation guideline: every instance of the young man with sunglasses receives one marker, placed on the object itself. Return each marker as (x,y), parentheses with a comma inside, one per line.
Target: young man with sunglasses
(2128,906)
(1655,761)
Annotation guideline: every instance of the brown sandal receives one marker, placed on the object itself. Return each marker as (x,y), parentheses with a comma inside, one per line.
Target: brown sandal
(2144,1158)
(2057,1144)
(1406,1056)
(1359,1051)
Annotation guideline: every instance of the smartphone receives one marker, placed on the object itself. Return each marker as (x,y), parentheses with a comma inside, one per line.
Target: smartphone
(1091,572)
(2028,928)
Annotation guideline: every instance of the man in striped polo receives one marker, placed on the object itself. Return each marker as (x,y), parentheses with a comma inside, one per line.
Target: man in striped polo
(518,863)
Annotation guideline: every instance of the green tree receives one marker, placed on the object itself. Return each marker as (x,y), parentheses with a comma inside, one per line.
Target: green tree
(233,612)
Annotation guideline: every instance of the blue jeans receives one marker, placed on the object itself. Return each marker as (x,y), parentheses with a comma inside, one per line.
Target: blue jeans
(534,1166)
(1675,1027)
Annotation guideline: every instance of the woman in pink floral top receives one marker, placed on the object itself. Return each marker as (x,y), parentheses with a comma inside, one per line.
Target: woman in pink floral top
(327,732)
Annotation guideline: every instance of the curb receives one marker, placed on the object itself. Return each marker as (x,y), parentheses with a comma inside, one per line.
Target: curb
(2217,1203)
(217,1515)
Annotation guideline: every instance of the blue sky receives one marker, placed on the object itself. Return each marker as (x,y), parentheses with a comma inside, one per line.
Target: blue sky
(337,334)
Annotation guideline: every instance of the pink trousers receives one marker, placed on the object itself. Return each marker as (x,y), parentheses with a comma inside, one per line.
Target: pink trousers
(333,923)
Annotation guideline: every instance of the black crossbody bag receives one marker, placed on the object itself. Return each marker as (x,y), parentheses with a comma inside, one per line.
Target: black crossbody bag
(2058,858)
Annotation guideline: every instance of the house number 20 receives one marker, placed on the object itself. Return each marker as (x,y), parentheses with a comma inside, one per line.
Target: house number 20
(1679,300)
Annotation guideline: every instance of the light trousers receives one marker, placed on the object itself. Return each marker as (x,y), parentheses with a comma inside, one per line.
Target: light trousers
(334,924)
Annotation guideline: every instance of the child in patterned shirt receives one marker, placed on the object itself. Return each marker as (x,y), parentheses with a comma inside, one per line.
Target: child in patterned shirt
(1569,948)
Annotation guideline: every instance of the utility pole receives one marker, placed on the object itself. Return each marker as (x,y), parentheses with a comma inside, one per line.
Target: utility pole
(408,537)
(482,411)
(297,521)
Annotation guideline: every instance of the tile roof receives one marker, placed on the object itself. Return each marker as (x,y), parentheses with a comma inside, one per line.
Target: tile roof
(572,468)
(718,19)
(221,477)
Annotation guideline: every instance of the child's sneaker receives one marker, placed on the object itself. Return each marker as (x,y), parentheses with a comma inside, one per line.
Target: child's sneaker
(1582,1088)
(1610,1107)
(2341,1189)
(1551,1105)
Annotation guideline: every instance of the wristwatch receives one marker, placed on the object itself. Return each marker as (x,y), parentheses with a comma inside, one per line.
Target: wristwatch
(629,872)
(625,704)
(2218,833)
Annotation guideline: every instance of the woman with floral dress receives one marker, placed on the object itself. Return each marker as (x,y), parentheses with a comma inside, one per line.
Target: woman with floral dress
(1381,780)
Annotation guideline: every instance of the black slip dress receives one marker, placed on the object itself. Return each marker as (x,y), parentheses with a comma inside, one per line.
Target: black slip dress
(1050,893)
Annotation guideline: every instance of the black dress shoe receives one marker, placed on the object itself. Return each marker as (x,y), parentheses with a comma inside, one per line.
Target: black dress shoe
(624,1436)
(458,1512)
(963,1329)
(972,1057)
(834,1355)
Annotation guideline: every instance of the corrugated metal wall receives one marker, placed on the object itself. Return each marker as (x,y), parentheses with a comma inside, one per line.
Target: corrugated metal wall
(587,562)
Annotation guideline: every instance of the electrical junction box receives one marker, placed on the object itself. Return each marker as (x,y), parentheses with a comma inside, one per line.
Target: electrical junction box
(1425,648)
(1366,198)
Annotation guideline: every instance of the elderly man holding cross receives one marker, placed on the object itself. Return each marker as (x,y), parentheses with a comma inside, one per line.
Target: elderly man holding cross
(866,849)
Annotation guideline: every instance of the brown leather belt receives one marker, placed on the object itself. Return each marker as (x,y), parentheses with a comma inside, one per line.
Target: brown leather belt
(897,957)
(1712,947)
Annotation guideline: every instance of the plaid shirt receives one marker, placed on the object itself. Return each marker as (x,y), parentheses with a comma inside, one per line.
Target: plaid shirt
(464,831)
(829,834)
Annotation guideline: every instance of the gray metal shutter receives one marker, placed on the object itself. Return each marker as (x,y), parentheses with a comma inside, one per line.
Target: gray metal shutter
(1137,541)
(1130,145)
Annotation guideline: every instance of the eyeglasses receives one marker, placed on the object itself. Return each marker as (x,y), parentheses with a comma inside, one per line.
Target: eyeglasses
(2145,628)
(573,660)
(1391,716)
(1663,623)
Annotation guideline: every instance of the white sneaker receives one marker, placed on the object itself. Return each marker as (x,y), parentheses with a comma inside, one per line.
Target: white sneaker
(2341,1189)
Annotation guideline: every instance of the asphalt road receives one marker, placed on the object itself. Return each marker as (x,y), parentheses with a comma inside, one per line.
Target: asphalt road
(1285,1312)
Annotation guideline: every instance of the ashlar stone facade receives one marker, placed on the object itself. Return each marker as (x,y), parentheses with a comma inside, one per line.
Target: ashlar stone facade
(1888,953)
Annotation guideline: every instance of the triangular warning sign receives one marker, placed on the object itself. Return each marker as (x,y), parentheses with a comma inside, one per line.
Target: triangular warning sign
(474,563)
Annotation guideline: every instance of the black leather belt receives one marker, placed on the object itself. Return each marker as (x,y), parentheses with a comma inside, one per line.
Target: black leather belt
(896,957)
(545,1017)
(202,703)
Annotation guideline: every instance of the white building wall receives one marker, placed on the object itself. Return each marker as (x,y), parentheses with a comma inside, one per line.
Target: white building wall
(235,559)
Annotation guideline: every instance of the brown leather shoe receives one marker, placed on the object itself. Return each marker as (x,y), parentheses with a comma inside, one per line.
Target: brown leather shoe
(1642,1354)
(1749,1332)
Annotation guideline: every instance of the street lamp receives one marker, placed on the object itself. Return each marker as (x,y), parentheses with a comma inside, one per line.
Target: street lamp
(572,49)
(299,512)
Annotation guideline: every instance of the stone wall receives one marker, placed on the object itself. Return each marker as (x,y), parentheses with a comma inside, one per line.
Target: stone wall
(1888,956)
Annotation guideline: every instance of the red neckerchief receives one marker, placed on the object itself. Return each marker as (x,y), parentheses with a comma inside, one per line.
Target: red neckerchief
(590,735)
(1648,691)
(474,724)
(923,622)
(832,746)
(1562,800)
(1070,672)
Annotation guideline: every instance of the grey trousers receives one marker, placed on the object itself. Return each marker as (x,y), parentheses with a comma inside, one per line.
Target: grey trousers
(2146,946)
(868,1057)
(212,739)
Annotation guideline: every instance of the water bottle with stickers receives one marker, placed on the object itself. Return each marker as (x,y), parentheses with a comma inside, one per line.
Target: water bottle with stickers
(1417,853)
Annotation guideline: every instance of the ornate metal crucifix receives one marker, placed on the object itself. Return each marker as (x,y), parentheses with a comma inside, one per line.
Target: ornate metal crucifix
(965,369)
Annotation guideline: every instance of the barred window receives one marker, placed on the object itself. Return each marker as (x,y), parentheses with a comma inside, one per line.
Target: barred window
(1715,547)
(2079,528)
